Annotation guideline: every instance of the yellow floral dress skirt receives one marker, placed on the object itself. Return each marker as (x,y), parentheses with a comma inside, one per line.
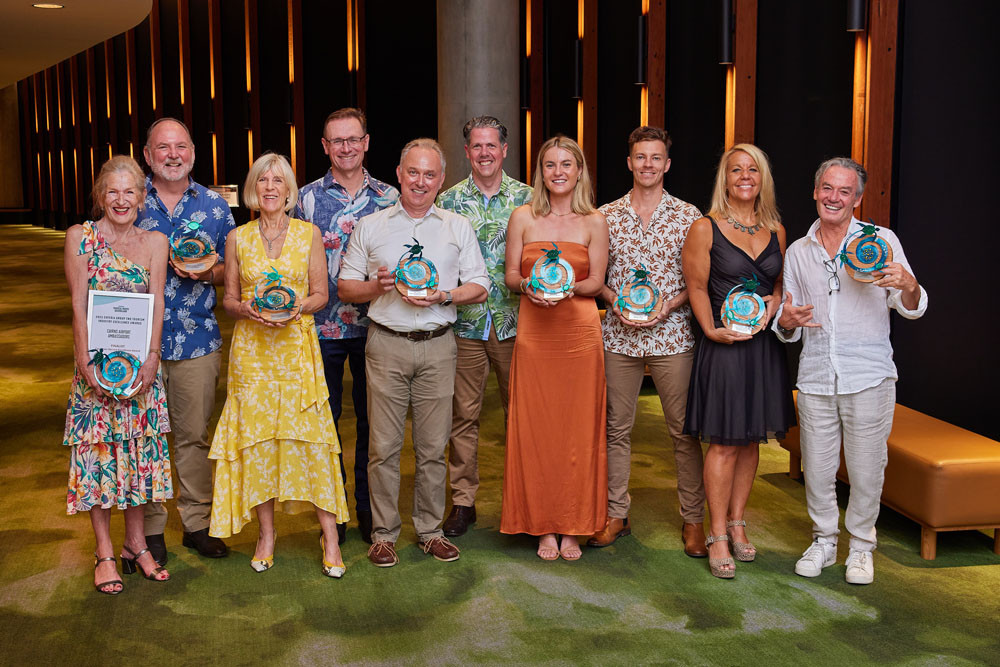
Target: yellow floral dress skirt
(275,438)
(118,448)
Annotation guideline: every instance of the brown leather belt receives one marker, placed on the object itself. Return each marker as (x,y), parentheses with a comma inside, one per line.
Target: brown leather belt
(414,335)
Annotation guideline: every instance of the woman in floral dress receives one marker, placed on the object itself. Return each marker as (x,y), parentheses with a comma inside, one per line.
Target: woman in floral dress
(118,454)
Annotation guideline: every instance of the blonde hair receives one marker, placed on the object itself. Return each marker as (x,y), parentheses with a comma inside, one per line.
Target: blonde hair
(583,193)
(118,163)
(277,165)
(765,207)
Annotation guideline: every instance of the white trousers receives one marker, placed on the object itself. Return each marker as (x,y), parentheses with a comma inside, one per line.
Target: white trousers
(862,421)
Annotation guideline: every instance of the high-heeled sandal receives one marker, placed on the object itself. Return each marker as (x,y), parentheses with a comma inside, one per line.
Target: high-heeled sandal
(745,552)
(717,565)
(111,582)
(131,565)
(331,569)
(263,564)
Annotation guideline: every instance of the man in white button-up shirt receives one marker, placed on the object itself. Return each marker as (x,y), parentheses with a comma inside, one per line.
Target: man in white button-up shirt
(410,353)
(847,379)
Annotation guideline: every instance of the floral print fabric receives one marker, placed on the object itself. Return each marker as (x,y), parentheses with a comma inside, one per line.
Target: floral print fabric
(659,248)
(275,437)
(326,204)
(119,454)
(489,221)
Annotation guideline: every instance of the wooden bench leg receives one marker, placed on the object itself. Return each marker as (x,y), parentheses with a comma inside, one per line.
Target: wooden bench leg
(794,465)
(928,543)
(996,541)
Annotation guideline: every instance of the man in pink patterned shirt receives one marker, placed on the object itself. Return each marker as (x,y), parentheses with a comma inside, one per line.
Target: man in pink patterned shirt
(647,230)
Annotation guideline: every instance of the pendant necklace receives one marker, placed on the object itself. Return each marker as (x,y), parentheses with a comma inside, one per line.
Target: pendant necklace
(743,228)
(271,240)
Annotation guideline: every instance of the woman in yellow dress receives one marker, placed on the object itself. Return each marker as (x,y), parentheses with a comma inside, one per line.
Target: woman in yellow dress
(276,438)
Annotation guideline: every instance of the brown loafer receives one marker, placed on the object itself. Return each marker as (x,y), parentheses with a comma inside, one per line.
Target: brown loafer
(693,535)
(440,548)
(613,529)
(383,554)
(459,520)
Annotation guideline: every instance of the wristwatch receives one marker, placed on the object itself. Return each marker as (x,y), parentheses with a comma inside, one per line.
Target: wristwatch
(783,331)
(447,298)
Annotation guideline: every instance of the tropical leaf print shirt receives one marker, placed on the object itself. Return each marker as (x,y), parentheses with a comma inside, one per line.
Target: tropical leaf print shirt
(190,329)
(328,205)
(489,220)
(659,249)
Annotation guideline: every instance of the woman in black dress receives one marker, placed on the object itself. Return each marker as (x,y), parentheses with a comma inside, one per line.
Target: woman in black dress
(739,393)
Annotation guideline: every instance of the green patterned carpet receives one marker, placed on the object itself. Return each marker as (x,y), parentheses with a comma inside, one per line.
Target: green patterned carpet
(640,601)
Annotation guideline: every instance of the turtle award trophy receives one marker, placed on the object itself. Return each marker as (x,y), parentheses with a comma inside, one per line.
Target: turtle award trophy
(416,275)
(864,253)
(551,275)
(638,299)
(191,248)
(743,310)
(272,300)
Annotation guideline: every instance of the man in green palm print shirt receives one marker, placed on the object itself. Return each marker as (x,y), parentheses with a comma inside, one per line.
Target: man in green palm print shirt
(484,331)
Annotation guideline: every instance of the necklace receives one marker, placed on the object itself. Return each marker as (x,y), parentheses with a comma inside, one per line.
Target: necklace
(274,238)
(561,215)
(749,230)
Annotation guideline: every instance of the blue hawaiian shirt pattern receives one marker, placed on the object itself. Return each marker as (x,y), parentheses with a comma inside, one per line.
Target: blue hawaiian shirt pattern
(190,329)
(328,205)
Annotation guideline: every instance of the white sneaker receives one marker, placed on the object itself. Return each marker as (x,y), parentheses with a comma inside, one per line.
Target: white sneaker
(860,567)
(816,557)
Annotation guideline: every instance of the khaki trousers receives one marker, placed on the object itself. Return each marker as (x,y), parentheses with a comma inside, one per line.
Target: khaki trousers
(190,386)
(402,373)
(472,369)
(671,375)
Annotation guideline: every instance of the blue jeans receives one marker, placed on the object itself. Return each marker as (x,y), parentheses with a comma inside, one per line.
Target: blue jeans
(335,353)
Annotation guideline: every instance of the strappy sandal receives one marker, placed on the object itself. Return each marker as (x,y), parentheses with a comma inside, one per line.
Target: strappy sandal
(131,565)
(717,565)
(745,552)
(111,582)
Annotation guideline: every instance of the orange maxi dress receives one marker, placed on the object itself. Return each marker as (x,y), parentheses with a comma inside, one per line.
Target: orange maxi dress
(556,470)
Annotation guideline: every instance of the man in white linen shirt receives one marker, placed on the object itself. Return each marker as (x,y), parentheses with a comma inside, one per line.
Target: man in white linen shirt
(410,354)
(847,379)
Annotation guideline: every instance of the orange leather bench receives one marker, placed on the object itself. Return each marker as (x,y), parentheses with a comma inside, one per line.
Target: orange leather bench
(939,475)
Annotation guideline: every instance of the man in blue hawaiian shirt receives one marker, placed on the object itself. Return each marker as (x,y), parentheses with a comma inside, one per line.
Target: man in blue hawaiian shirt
(484,331)
(191,347)
(334,203)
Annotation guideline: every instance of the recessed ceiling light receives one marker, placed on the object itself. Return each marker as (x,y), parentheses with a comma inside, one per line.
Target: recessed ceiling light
(47,5)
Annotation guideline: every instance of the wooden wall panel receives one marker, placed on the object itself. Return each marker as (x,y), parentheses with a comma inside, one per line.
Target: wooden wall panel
(880,112)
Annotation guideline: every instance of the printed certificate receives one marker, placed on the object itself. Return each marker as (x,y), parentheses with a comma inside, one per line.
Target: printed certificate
(120,321)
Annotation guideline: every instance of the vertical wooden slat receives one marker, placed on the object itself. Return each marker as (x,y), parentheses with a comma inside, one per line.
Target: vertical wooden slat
(78,119)
(742,76)
(881,92)
(94,114)
(60,137)
(29,143)
(135,142)
(536,66)
(184,59)
(656,62)
(859,102)
(215,51)
(110,101)
(253,78)
(50,140)
(590,87)
(296,67)
(154,59)
(359,56)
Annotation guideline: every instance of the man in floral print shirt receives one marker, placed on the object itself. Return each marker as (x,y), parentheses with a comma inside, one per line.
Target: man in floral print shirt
(191,347)
(334,203)
(484,331)
(647,228)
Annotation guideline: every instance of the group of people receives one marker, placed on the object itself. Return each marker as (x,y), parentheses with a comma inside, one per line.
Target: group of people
(569,380)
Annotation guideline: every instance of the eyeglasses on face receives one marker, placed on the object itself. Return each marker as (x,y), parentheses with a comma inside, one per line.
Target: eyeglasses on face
(353,142)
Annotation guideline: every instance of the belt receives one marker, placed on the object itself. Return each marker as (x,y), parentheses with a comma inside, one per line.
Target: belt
(414,335)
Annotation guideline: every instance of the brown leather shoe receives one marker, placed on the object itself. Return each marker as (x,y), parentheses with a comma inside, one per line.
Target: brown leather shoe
(383,554)
(613,529)
(693,535)
(440,548)
(459,520)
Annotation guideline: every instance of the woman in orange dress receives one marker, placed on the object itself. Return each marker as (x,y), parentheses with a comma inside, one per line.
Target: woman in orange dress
(555,476)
